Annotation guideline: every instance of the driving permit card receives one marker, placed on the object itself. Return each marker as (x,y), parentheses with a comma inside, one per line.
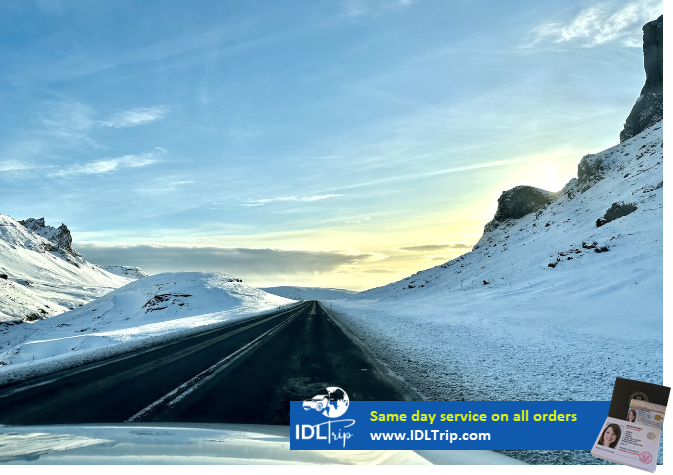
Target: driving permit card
(632,431)
(628,443)
(628,390)
(646,413)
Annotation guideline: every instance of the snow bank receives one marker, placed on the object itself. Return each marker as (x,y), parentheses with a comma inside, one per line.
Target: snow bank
(144,312)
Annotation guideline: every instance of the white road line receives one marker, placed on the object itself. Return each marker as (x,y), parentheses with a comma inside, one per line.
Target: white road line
(197,381)
(44,380)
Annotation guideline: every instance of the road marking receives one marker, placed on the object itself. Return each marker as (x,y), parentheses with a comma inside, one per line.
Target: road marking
(200,379)
(232,327)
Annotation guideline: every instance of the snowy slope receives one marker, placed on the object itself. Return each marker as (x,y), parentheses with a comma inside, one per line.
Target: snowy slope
(160,306)
(500,323)
(125,271)
(44,275)
(520,249)
(309,293)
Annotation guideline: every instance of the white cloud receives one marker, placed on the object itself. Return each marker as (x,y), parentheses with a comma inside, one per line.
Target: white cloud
(603,23)
(356,8)
(109,165)
(299,199)
(135,117)
(14,166)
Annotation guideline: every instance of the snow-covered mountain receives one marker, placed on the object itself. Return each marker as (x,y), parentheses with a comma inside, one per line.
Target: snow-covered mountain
(144,311)
(562,293)
(550,237)
(126,271)
(41,275)
(309,293)
(615,204)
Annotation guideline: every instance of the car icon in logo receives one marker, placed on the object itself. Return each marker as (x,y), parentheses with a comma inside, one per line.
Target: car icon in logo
(333,404)
(318,402)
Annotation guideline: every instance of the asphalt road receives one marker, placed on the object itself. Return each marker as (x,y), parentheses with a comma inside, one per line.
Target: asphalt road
(246,372)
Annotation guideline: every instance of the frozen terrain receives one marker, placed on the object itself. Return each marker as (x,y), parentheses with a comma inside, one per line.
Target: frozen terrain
(549,306)
(125,271)
(146,311)
(41,275)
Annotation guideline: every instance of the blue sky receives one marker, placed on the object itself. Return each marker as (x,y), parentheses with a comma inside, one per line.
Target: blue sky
(344,143)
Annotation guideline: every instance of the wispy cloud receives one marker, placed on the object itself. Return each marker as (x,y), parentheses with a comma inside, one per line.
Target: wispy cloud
(109,165)
(294,198)
(135,117)
(14,166)
(357,8)
(603,23)
(74,119)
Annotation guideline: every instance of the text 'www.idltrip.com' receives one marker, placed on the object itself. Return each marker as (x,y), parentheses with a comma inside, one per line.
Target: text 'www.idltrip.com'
(430,435)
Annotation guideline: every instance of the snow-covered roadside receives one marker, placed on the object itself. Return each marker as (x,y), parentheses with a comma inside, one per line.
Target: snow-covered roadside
(143,313)
(502,344)
(491,344)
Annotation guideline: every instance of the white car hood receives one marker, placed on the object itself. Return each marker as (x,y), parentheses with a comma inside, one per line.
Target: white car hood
(196,444)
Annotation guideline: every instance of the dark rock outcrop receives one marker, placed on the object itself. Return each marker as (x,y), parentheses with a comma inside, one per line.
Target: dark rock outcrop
(59,238)
(616,211)
(517,203)
(590,170)
(520,201)
(649,107)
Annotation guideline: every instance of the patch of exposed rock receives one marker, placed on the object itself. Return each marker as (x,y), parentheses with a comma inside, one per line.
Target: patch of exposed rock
(616,211)
(59,238)
(649,107)
(590,170)
(517,203)
(520,201)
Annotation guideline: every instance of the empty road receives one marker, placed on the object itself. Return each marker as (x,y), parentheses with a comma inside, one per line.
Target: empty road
(246,372)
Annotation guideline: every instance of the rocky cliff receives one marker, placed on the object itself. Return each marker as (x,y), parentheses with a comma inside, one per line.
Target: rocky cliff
(648,110)
(59,238)
(41,275)
(518,202)
(649,107)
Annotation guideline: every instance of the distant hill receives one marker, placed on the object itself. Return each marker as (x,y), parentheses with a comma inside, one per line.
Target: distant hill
(126,271)
(309,293)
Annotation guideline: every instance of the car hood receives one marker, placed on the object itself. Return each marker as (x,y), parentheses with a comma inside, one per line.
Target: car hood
(195,444)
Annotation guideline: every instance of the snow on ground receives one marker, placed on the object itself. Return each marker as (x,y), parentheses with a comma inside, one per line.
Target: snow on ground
(125,271)
(500,323)
(309,293)
(146,311)
(41,276)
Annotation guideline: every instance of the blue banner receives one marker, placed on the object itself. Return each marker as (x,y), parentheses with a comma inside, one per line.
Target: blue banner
(324,424)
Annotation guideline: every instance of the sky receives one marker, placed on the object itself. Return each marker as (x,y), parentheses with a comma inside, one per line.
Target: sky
(338,144)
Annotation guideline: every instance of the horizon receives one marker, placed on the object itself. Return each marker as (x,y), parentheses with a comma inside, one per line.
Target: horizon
(342,145)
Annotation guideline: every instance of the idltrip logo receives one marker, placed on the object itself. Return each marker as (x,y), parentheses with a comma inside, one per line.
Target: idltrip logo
(331,405)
